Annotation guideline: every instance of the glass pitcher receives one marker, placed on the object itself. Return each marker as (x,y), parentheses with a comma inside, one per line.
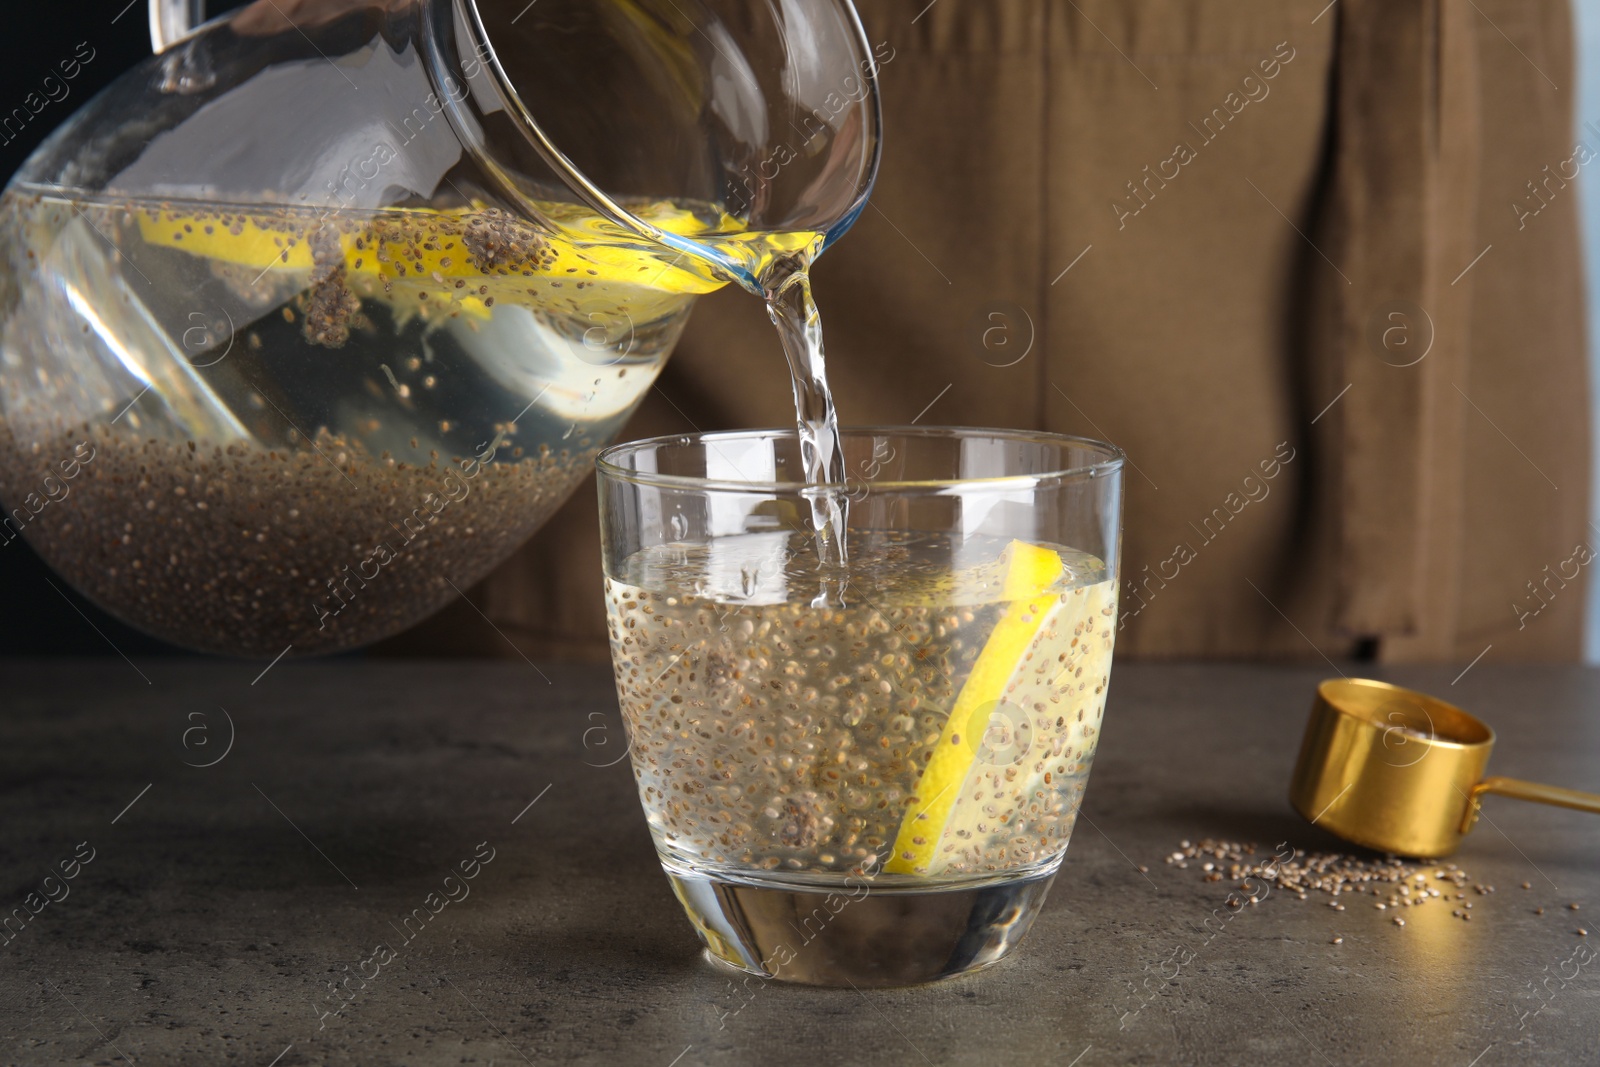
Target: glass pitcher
(308,321)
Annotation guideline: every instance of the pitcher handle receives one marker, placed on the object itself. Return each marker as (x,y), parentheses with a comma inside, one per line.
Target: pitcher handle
(173,20)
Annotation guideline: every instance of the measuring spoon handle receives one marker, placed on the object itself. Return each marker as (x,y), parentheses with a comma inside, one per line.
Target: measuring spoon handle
(1535,791)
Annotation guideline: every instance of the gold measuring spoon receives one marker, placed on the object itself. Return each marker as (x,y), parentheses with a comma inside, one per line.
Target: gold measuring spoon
(1400,771)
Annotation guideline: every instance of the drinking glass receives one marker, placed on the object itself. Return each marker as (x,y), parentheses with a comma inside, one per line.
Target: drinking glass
(864,774)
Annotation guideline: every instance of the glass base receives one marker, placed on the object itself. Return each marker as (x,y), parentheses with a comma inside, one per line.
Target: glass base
(859,933)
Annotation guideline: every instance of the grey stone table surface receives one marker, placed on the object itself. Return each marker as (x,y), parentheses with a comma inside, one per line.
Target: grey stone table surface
(237,846)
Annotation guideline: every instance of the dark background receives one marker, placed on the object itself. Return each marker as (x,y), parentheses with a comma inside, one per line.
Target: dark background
(36,619)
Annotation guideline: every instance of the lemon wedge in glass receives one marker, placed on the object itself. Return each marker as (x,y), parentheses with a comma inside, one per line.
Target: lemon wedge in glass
(1030,572)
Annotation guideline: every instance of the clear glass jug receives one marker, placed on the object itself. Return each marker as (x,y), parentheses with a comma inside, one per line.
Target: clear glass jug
(311,319)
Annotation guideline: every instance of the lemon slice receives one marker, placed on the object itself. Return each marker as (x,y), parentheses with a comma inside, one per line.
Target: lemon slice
(434,246)
(1030,571)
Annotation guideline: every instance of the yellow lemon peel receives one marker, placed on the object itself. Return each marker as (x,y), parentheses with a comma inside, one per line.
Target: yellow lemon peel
(433,245)
(1030,571)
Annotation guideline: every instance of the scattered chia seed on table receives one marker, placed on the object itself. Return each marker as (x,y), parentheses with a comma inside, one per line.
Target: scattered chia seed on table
(1396,883)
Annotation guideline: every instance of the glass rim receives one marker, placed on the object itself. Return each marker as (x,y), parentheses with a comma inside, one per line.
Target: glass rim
(1114,458)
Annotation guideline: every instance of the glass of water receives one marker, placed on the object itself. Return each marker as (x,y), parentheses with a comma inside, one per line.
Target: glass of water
(864,774)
